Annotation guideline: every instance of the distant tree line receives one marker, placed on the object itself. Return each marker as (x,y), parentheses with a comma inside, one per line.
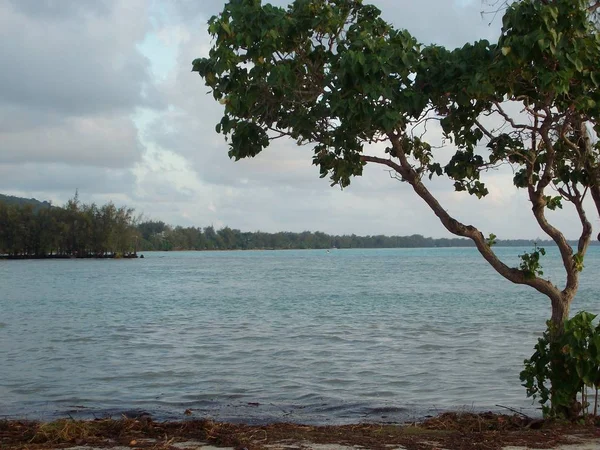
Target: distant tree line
(33,229)
(30,230)
(157,235)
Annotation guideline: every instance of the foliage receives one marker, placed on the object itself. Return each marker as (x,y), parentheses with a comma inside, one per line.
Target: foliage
(530,262)
(196,238)
(38,230)
(156,235)
(77,229)
(563,368)
(334,75)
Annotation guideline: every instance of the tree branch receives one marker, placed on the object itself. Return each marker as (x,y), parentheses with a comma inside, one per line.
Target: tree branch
(595,190)
(409,175)
(546,178)
(586,232)
(509,119)
(484,130)
(539,204)
(385,162)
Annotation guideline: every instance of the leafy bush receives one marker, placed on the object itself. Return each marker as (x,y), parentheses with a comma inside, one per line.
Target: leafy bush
(565,364)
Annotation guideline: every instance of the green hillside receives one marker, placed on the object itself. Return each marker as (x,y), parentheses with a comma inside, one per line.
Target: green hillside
(12,200)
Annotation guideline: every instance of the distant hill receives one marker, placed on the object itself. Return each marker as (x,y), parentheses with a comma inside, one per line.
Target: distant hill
(12,200)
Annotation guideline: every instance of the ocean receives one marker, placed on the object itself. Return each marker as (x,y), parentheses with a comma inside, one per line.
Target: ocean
(306,336)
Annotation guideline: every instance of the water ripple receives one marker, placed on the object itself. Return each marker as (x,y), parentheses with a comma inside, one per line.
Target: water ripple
(260,336)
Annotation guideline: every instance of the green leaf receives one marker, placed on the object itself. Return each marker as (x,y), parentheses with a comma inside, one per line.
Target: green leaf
(576,62)
(226,27)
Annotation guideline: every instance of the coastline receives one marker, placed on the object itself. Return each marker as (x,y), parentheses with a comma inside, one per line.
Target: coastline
(28,257)
(447,430)
(140,253)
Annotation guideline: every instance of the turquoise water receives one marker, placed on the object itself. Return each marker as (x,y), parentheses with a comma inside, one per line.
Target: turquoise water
(257,336)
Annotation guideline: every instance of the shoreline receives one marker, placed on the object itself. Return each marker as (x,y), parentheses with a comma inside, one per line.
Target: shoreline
(28,257)
(453,430)
(331,249)
(140,254)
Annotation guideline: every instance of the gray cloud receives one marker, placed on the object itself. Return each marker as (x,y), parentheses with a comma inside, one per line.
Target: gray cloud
(444,22)
(189,128)
(61,10)
(81,65)
(280,189)
(72,79)
(98,141)
(194,137)
(61,180)
(17,118)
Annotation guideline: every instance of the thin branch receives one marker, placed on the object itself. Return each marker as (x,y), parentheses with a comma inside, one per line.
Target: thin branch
(409,175)
(273,138)
(509,119)
(384,161)
(279,135)
(424,118)
(573,195)
(546,178)
(536,196)
(533,112)
(484,130)
(586,232)
(595,191)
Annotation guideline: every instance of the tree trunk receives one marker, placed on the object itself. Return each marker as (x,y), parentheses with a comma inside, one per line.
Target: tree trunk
(560,311)
(595,190)
(563,400)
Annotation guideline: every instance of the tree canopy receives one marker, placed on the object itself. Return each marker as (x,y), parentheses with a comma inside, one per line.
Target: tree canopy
(32,229)
(334,74)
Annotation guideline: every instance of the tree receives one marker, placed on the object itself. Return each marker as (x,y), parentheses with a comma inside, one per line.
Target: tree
(36,230)
(496,6)
(335,75)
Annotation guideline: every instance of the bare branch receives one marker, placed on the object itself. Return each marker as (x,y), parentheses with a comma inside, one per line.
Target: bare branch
(547,176)
(510,120)
(586,233)
(595,191)
(409,175)
(280,134)
(536,196)
(385,162)
(533,112)
(484,130)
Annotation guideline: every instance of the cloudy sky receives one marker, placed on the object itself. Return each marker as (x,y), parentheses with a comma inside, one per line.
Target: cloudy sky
(98,96)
